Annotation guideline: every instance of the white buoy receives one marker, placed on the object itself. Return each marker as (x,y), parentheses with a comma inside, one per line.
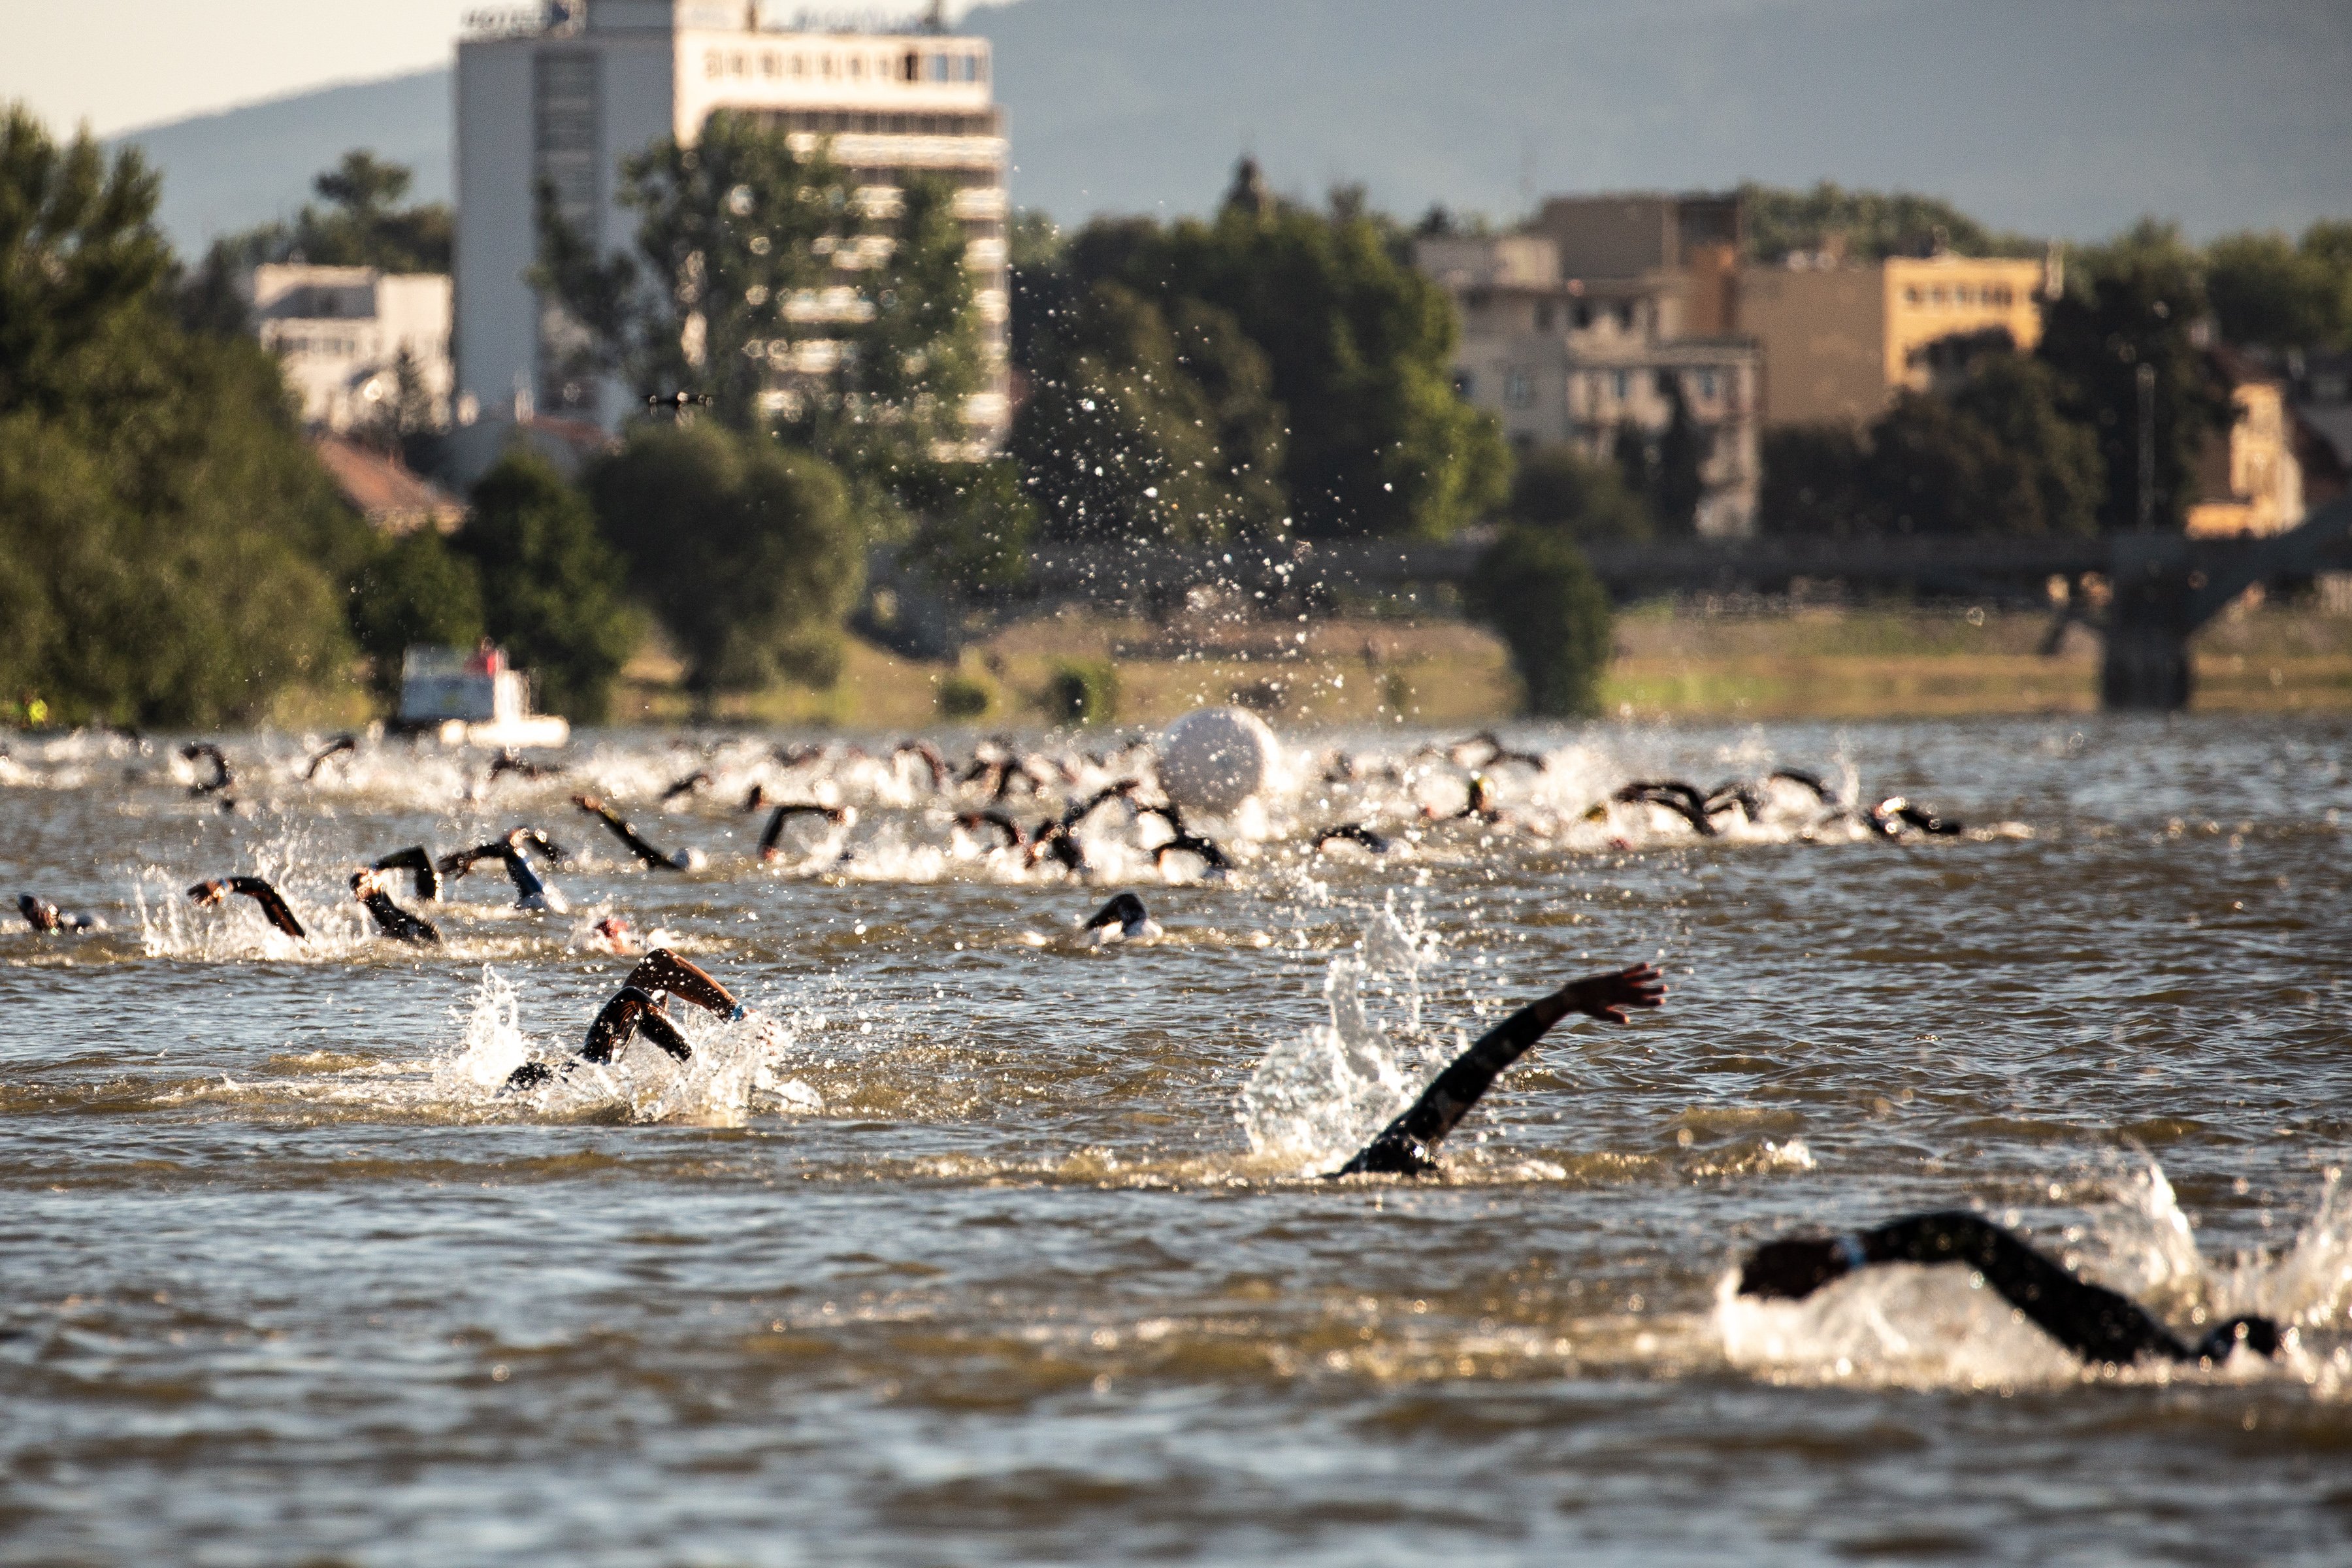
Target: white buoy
(1214,759)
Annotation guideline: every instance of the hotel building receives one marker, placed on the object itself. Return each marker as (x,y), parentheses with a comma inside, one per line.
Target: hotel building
(567,92)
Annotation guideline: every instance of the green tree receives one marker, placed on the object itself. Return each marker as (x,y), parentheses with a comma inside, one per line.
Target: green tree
(552,590)
(1534,586)
(362,224)
(2131,304)
(1813,483)
(1559,489)
(1136,427)
(733,230)
(1870,225)
(749,552)
(1678,484)
(2059,477)
(2266,289)
(412,589)
(1999,455)
(176,550)
(1360,347)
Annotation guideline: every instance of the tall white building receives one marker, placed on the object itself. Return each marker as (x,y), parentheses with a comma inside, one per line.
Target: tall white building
(567,91)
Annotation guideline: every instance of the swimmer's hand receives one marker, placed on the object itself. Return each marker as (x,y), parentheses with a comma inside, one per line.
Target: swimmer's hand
(1606,996)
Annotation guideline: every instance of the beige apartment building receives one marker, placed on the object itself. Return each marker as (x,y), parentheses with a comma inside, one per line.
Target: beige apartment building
(1839,340)
(2248,477)
(1596,318)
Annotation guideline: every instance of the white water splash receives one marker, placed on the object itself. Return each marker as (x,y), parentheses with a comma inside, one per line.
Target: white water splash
(1317,1098)
(1944,1327)
(491,1044)
(737,1069)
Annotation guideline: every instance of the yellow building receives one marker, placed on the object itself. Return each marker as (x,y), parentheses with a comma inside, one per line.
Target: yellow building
(1840,339)
(2248,477)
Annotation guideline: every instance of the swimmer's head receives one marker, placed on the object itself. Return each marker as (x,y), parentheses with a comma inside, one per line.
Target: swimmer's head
(2258,1334)
(1790,1270)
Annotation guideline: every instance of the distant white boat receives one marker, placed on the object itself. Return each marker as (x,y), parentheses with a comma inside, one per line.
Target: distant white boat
(472,699)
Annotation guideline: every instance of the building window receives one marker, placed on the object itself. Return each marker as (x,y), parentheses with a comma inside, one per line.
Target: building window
(1626,317)
(1624,384)
(1465,386)
(1518,387)
(1911,295)
(1543,315)
(1706,384)
(1583,314)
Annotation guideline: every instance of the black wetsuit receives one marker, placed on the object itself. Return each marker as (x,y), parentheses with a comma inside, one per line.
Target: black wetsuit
(2094,1322)
(635,1009)
(1408,1145)
(390,918)
(274,908)
(630,838)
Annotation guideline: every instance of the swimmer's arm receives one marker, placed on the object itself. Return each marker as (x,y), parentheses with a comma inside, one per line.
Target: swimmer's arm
(662,970)
(1408,1142)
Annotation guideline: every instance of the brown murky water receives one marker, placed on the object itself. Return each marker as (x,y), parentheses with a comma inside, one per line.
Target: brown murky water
(1005,1249)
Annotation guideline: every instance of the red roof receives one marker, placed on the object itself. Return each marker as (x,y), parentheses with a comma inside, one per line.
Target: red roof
(383,490)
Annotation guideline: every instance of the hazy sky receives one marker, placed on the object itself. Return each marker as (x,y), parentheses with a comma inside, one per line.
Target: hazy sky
(121,64)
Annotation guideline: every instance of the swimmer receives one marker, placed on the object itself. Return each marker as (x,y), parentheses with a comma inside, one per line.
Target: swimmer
(637,1007)
(928,755)
(223,779)
(1354,833)
(2101,1327)
(1059,839)
(1480,804)
(1892,815)
(273,905)
(1015,835)
(1408,1145)
(511,761)
(838,816)
(684,860)
(342,745)
(532,892)
(1806,781)
(1184,841)
(418,861)
(1491,752)
(612,934)
(47,918)
(1124,913)
(1684,800)
(368,888)
(692,783)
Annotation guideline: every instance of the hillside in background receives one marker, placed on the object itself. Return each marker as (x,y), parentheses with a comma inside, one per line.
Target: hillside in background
(228,172)
(2069,121)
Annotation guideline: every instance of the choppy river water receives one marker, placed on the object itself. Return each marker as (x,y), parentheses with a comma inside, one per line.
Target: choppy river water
(1003,1247)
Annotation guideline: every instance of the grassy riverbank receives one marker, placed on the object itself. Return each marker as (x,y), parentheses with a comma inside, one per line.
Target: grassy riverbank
(1853,664)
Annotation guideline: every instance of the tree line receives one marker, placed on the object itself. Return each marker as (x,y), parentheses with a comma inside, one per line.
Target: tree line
(170,553)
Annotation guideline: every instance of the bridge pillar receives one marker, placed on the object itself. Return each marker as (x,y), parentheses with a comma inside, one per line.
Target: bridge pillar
(2150,621)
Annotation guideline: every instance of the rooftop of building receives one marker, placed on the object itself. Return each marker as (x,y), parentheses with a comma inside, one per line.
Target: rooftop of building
(384,490)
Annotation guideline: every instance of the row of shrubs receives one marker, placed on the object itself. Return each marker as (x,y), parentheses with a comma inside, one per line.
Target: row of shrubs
(1079,691)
